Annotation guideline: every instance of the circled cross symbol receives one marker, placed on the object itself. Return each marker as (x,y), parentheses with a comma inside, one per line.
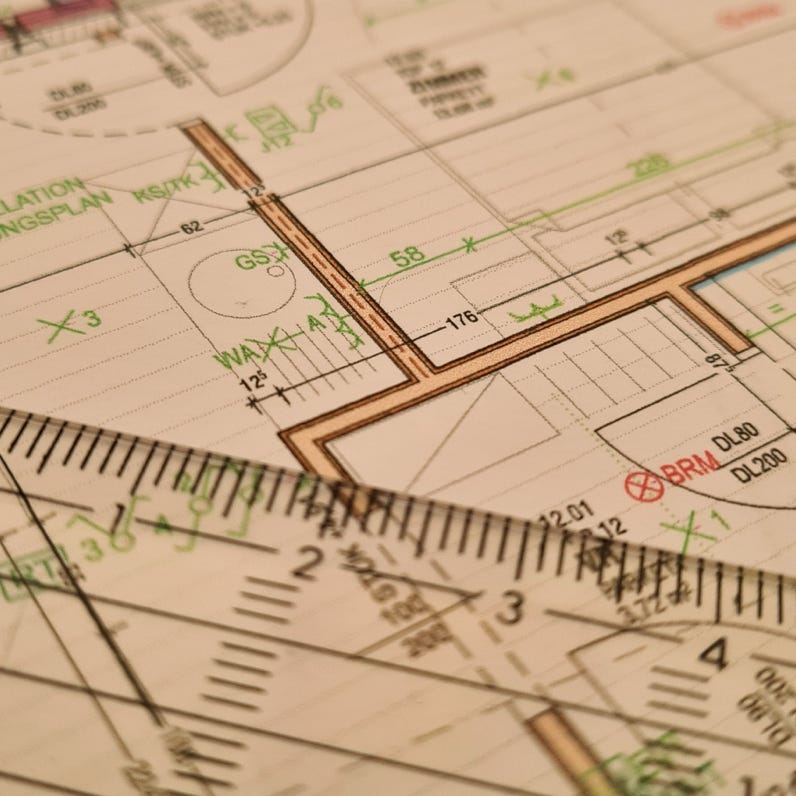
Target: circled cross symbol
(643,486)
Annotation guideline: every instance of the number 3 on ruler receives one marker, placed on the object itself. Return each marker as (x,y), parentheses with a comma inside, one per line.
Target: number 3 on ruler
(513,612)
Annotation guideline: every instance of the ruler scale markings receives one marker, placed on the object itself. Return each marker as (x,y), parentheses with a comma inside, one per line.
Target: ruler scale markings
(446,526)
(221,472)
(518,570)
(642,570)
(217,761)
(407,503)
(700,573)
(181,470)
(131,446)
(233,493)
(598,564)
(387,509)
(309,504)
(678,583)
(291,501)
(198,479)
(236,684)
(91,449)
(420,544)
(242,667)
(658,574)
(328,509)
(267,599)
(604,550)
(32,446)
(261,470)
(19,433)
(272,583)
(48,453)
(620,577)
(475,685)
(163,465)
(738,599)
(370,500)
(504,537)
(581,558)
(230,702)
(348,505)
(541,550)
(261,615)
(9,416)
(280,474)
(217,739)
(468,518)
(487,521)
(562,547)
(203,778)
(116,519)
(109,452)
(143,468)
(410,504)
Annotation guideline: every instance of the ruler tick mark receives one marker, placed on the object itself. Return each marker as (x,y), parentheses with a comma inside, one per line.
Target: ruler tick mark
(9,416)
(109,453)
(46,458)
(234,491)
(137,482)
(198,479)
(164,464)
(19,434)
(180,472)
(130,449)
(90,450)
(36,439)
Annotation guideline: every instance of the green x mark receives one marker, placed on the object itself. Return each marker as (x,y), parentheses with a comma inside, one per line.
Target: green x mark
(689,531)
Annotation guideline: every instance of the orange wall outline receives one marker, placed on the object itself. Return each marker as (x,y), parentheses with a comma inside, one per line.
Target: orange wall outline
(308,441)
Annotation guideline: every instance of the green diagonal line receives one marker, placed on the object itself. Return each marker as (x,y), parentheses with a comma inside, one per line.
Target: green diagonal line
(771,326)
(593,198)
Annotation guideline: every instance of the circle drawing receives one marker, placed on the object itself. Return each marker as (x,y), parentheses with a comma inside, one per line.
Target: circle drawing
(111,68)
(223,288)
(644,486)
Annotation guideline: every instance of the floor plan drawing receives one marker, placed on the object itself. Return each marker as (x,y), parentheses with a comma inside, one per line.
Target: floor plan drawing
(465,250)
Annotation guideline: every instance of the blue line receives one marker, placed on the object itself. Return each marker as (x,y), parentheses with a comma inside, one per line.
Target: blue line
(743,266)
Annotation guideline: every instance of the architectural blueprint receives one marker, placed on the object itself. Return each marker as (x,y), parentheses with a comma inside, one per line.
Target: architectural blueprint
(533,258)
(465,249)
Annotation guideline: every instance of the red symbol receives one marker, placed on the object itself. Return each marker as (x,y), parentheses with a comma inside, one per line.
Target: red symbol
(643,486)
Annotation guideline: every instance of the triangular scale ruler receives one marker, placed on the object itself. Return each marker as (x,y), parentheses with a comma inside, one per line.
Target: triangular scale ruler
(178,622)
